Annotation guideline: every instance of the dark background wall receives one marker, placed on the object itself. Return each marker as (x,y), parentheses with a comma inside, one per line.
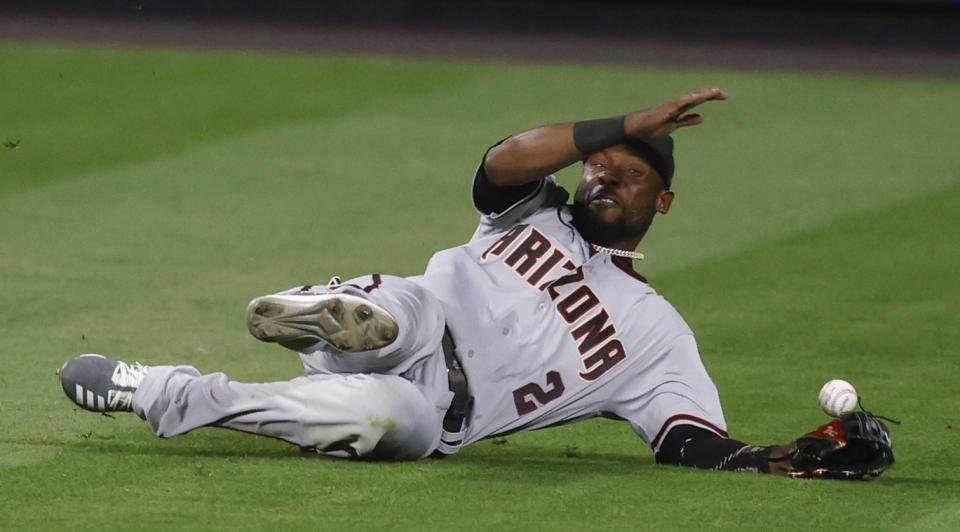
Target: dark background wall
(895,24)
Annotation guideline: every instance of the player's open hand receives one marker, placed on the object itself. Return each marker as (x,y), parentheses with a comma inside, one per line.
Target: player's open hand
(667,117)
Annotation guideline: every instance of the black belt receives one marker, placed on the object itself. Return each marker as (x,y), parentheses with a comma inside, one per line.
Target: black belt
(455,420)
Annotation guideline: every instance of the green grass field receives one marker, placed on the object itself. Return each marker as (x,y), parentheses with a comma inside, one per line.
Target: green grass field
(154,192)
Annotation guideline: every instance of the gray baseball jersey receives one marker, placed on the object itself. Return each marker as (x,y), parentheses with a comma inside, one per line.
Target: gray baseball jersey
(549,331)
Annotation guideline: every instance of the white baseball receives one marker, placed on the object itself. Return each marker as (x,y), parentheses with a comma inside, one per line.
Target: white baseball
(838,397)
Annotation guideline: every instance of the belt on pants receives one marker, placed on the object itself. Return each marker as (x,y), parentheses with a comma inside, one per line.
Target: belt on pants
(458,413)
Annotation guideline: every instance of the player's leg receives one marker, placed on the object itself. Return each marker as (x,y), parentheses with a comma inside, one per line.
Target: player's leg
(360,416)
(301,318)
(373,323)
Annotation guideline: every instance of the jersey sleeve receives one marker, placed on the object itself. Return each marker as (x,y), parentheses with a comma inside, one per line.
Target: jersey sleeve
(501,207)
(681,393)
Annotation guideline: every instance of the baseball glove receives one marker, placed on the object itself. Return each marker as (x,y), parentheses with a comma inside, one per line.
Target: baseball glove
(854,446)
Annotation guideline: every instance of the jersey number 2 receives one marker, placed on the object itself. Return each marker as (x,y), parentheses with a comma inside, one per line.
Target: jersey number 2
(537,394)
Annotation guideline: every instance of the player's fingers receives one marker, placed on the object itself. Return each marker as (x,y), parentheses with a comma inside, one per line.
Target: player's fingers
(703,95)
(691,100)
(697,97)
(689,120)
(718,94)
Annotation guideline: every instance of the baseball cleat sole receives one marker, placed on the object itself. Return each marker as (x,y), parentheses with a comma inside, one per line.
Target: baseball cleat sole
(348,323)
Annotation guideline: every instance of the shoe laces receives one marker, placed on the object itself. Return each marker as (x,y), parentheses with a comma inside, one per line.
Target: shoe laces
(119,400)
(129,375)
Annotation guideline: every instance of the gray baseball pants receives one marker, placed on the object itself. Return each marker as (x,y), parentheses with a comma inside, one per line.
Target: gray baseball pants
(383,404)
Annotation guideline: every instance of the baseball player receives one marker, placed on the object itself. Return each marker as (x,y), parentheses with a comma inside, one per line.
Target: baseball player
(539,320)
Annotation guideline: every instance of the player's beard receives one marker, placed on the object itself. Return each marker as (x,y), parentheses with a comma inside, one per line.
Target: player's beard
(603,233)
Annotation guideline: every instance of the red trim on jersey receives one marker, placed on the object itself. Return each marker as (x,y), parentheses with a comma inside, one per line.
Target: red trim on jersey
(686,417)
(626,265)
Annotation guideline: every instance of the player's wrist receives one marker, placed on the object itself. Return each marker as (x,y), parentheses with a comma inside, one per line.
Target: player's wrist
(773,459)
(780,459)
(591,136)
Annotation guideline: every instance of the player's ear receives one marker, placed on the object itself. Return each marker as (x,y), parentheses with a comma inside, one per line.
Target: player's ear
(664,199)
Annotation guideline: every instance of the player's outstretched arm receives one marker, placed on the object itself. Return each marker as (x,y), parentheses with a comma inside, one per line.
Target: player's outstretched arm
(530,155)
(692,446)
(853,446)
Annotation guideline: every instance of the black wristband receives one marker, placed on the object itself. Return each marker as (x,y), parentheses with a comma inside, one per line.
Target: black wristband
(591,136)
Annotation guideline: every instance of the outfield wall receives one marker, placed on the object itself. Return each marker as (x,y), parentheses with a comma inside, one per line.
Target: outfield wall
(895,24)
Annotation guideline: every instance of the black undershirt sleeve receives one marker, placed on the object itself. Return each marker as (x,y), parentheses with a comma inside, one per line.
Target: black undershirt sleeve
(688,445)
(489,198)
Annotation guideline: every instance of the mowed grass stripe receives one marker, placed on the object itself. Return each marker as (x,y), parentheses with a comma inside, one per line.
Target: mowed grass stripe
(76,110)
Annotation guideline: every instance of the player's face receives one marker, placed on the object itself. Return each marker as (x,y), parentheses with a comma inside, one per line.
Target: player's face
(618,197)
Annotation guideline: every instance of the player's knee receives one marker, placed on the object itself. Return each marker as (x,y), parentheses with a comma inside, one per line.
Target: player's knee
(405,424)
(383,417)
(413,305)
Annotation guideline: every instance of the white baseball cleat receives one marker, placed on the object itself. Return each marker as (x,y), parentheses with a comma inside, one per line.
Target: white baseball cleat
(345,322)
(100,384)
